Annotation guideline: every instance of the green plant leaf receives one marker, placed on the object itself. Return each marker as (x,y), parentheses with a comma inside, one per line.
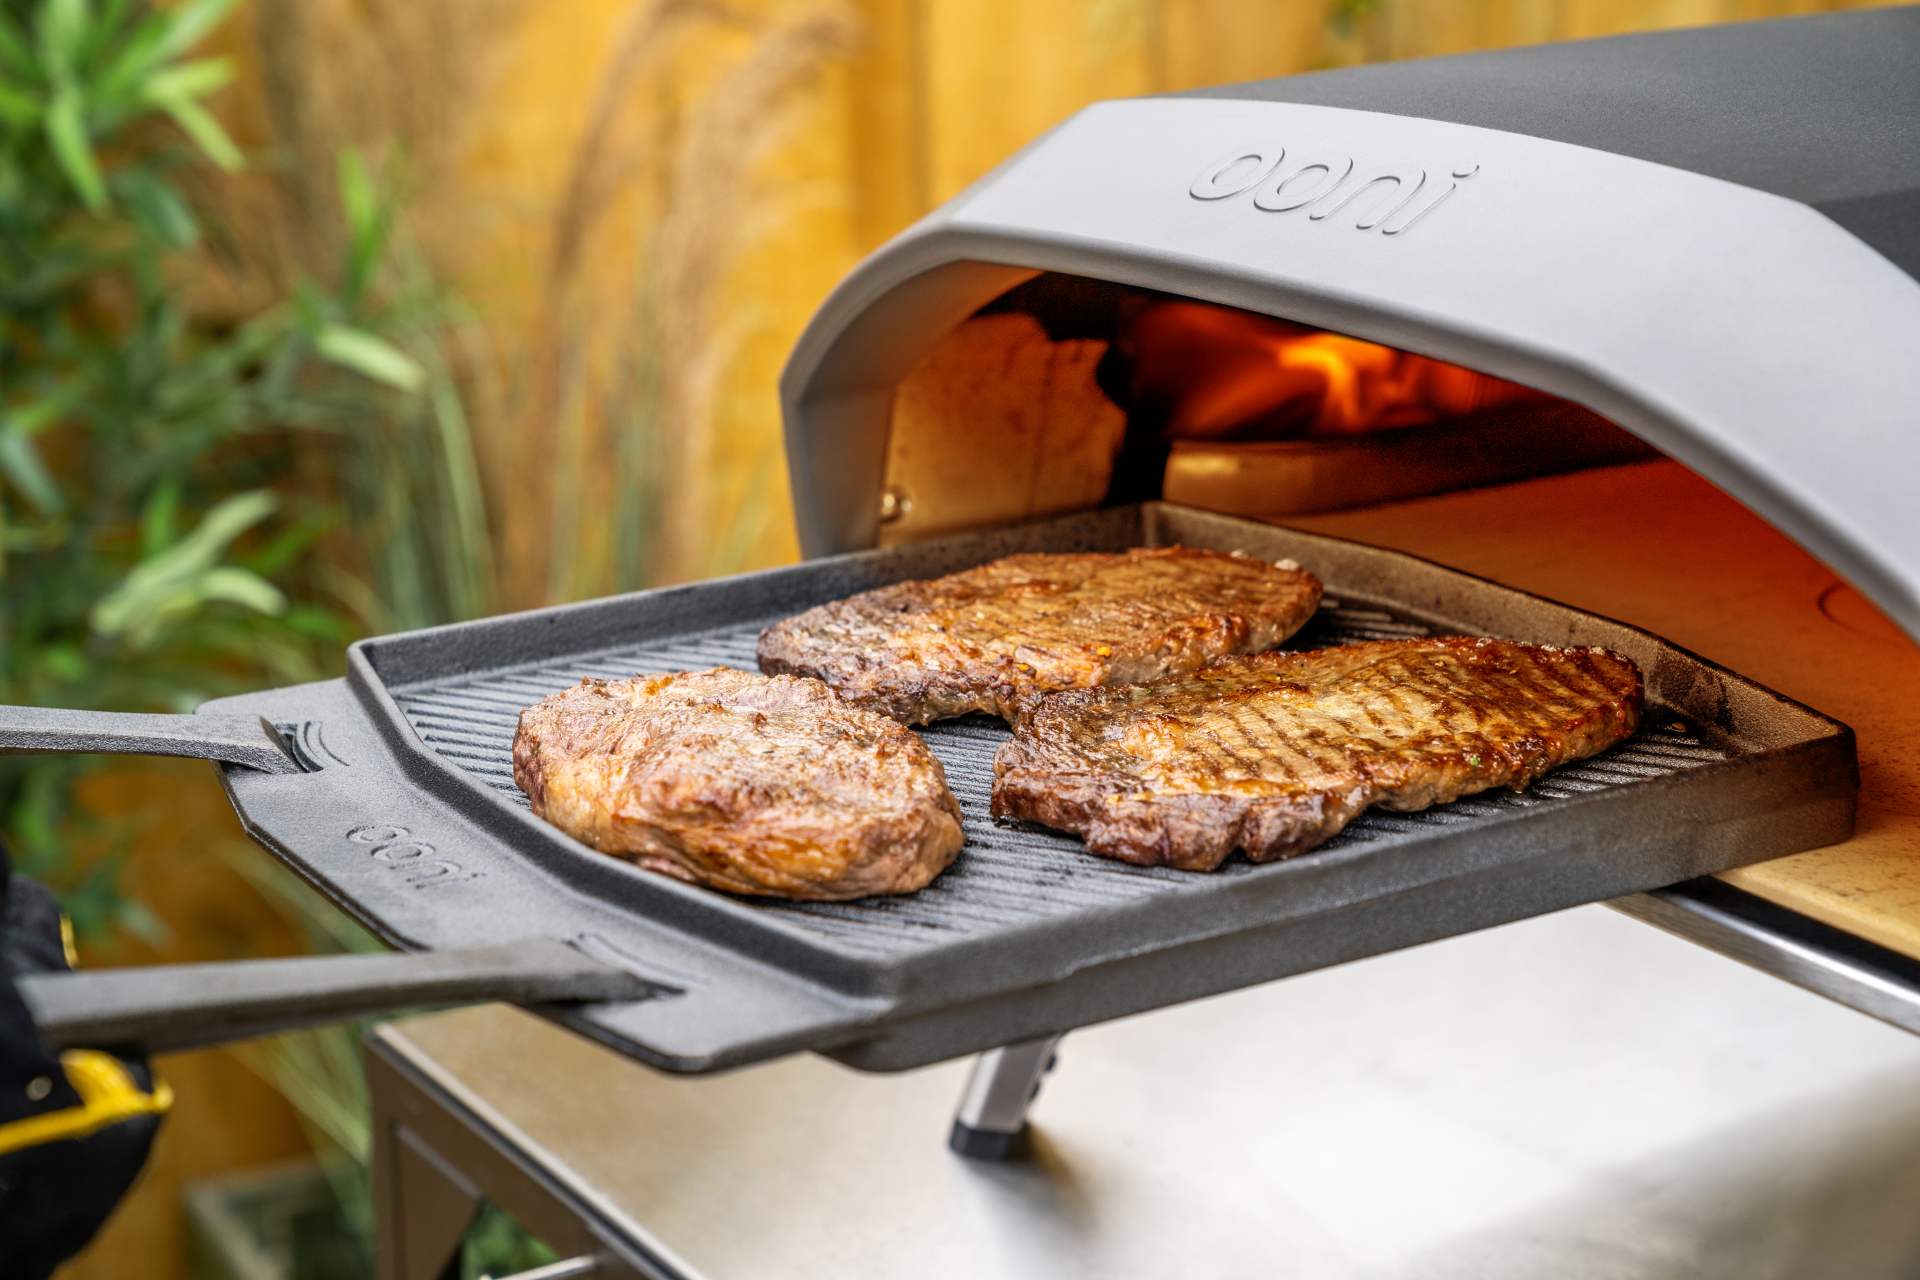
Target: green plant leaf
(61,26)
(15,54)
(23,467)
(193,79)
(234,585)
(371,357)
(18,107)
(358,203)
(37,415)
(171,585)
(224,521)
(120,81)
(160,517)
(314,622)
(160,210)
(67,134)
(187,23)
(38,809)
(366,218)
(198,124)
(113,16)
(104,30)
(285,548)
(63,664)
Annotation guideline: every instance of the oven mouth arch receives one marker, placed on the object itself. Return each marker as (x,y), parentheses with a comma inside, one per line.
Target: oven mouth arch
(852,398)
(1751,338)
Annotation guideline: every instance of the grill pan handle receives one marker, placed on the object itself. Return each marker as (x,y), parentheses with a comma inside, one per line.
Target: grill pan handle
(162,1008)
(243,740)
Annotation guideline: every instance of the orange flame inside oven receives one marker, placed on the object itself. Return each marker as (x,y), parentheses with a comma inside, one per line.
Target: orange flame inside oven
(1215,372)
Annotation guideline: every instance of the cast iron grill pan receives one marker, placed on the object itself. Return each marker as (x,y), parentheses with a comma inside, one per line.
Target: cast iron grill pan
(1009,874)
(403,811)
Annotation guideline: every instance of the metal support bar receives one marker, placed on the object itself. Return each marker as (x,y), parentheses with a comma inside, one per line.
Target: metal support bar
(424,1123)
(161,1008)
(235,739)
(424,1207)
(991,1120)
(565,1269)
(1794,948)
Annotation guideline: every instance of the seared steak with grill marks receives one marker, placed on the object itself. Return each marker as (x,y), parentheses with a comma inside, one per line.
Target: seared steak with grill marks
(989,637)
(740,782)
(1274,753)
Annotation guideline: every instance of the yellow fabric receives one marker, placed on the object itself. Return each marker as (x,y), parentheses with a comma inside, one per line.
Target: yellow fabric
(108,1095)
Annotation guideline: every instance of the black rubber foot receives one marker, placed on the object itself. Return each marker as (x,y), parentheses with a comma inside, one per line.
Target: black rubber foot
(986,1144)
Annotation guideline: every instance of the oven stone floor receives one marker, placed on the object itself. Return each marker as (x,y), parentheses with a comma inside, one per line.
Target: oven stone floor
(1576,1096)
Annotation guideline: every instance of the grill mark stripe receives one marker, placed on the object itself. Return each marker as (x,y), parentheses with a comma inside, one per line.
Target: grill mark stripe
(1556,675)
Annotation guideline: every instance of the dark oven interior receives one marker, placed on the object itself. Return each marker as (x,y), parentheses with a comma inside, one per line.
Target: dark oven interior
(1066,393)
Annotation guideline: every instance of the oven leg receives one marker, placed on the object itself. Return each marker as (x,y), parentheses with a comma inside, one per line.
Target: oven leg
(422,1205)
(991,1121)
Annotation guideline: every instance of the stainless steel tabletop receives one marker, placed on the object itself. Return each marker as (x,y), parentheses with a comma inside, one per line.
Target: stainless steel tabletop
(1575,1096)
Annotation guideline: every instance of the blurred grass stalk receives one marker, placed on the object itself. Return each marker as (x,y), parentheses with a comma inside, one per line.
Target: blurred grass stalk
(638,498)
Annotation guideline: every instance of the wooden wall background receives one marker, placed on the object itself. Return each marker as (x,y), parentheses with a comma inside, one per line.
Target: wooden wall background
(638,204)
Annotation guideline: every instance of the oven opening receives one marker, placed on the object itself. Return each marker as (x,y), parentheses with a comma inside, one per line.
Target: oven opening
(1066,393)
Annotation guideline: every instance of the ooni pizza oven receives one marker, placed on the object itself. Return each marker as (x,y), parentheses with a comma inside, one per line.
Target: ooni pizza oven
(1702,243)
(1710,238)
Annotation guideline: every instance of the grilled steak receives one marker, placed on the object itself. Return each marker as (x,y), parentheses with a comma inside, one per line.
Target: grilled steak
(748,784)
(989,637)
(1274,753)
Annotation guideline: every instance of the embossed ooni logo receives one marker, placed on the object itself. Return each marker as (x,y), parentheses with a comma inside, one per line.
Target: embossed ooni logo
(418,862)
(1327,183)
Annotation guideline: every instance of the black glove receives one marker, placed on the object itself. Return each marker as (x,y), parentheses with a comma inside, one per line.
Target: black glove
(75,1128)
